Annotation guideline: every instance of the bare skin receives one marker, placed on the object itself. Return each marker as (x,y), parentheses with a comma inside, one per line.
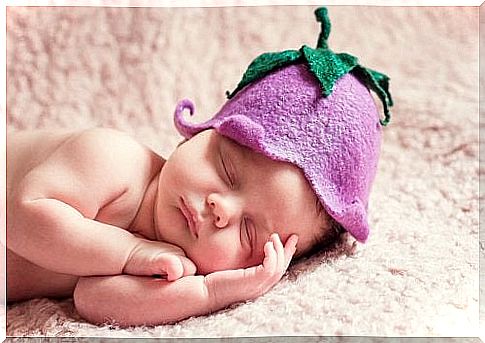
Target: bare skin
(95,215)
(41,162)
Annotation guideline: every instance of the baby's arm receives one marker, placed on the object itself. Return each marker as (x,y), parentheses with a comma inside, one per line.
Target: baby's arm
(131,300)
(53,212)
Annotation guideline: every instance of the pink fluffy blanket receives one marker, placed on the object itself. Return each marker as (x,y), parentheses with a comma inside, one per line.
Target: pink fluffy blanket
(72,67)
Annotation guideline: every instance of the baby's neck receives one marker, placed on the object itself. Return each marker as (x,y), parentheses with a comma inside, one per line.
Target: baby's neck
(143,223)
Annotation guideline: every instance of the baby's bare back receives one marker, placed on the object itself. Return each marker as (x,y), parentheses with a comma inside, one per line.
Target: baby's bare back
(48,154)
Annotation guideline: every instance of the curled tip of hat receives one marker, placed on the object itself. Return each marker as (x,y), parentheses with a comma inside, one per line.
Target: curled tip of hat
(326,66)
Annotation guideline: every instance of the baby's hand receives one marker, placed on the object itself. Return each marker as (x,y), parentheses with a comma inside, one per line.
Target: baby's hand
(157,258)
(229,286)
(262,278)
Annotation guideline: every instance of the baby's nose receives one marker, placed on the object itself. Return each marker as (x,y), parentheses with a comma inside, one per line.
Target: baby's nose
(220,218)
(222,210)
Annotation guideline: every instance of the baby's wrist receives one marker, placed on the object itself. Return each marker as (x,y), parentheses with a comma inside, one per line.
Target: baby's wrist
(130,260)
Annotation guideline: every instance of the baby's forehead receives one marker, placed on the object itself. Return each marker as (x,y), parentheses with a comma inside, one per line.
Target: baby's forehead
(280,174)
(280,177)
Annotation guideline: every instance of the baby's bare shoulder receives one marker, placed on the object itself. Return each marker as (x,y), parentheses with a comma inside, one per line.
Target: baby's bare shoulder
(109,145)
(100,163)
(104,141)
(111,152)
(90,145)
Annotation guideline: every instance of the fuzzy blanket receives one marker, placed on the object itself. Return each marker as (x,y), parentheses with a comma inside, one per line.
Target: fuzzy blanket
(126,68)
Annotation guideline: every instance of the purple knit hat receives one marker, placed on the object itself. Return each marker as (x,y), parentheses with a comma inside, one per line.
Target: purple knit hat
(304,107)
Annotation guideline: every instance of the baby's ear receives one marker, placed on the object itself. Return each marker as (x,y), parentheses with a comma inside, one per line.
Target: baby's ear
(182,142)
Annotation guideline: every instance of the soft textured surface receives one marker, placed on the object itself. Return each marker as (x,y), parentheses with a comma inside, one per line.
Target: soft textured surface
(127,68)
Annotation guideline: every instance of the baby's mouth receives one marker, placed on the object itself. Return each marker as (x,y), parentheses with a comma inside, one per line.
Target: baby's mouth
(189,217)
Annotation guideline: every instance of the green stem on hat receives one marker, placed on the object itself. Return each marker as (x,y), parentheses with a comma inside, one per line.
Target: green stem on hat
(326,65)
(322,17)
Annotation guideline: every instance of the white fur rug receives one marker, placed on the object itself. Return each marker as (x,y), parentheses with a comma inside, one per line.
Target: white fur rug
(127,67)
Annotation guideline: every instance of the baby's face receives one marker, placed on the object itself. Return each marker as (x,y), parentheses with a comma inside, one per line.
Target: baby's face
(220,201)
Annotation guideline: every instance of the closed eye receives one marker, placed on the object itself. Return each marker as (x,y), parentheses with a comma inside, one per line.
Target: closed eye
(244,231)
(226,171)
(247,232)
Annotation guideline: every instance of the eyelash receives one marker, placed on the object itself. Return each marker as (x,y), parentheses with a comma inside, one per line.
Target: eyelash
(231,181)
(247,231)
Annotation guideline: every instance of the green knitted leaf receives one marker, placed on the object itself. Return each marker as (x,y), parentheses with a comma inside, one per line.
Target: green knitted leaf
(383,81)
(379,83)
(263,64)
(327,66)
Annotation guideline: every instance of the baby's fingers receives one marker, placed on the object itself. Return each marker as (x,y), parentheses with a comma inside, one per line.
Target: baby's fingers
(188,265)
(284,254)
(290,249)
(176,266)
(173,267)
(270,258)
(280,251)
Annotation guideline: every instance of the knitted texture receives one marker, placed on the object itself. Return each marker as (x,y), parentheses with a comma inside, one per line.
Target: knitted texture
(304,107)
(335,140)
(327,66)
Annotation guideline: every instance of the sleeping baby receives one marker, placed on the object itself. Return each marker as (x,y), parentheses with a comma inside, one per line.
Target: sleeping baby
(278,173)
